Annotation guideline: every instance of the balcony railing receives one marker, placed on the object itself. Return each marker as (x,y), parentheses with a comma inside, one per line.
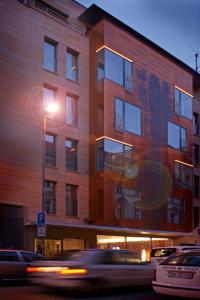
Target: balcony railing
(54,13)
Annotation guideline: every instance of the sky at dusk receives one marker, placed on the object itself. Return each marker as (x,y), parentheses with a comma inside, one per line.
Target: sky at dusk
(172,24)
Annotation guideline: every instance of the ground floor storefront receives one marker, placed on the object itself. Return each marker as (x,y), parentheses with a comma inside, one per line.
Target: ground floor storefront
(62,237)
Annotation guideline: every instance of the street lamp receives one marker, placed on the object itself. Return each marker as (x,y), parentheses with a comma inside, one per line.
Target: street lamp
(49,109)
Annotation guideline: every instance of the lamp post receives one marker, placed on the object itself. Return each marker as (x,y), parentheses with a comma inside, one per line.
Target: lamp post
(51,108)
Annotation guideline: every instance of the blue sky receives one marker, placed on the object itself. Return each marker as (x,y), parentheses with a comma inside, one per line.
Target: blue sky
(172,24)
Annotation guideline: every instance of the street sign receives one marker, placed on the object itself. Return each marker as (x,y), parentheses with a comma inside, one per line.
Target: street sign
(41,224)
(41,231)
(41,219)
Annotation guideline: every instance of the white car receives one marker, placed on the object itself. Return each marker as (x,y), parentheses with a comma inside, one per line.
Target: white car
(92,269)
(158,254)
(179,275)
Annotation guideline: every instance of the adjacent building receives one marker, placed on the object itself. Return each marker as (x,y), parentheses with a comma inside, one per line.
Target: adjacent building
(118,164)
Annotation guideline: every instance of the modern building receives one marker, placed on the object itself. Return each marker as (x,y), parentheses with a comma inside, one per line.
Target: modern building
(113,167)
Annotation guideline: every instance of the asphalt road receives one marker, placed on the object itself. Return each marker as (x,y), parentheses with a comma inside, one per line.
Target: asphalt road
(37,293)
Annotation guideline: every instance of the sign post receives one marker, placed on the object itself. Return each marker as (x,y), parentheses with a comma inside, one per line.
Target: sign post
(41,228)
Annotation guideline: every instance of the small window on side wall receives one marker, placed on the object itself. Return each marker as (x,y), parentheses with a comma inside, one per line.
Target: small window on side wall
(72,64)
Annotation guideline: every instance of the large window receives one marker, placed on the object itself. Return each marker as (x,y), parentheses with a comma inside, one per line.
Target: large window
(49,204)
(72,64)
(182,104)
(114,156)
(71,154)
(71,200)
(177,137)
(50,150)
(115,67)
(50,55)
(127,117)
(71,111)
(175,211)
(182,176)
(124,204)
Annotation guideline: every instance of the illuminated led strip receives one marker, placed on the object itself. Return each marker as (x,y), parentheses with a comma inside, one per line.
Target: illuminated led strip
(183,91)
(72,271)
(106,137)
(113,52)
(183,163)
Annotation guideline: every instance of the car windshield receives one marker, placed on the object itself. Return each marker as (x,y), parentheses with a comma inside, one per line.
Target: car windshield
(162,252)
(183,259)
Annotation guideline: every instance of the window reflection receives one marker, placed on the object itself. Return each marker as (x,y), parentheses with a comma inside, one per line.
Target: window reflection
(127,117)
(115,68)
(113,156)
(177,136)
(182,104)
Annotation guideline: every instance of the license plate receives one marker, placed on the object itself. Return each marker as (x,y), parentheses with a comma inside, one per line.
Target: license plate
(180,274)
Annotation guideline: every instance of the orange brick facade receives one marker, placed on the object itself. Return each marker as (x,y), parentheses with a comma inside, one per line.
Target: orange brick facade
(23,29)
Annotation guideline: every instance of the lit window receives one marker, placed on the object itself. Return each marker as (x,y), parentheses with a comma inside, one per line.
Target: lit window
(71,200)
(50,55)
(72,64)
(48,98)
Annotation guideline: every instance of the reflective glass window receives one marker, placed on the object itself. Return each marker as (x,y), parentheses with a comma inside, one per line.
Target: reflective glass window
(49,55)
(113,156)
(72,64)
(177,136)
(113,67)
(116,68)
(132,118)
(182,104)
(127,117)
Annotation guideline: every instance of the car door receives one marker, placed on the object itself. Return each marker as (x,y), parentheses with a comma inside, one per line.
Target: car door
(11,266)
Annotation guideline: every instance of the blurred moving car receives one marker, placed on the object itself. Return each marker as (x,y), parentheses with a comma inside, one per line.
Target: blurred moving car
(179,275)
(158,254)
(93,269)
(13,263)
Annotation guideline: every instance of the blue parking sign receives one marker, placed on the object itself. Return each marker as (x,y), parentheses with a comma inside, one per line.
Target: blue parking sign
(42,218)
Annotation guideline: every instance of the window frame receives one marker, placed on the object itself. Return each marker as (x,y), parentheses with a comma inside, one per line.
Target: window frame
(180,103)
(53,200)
(47,163)
(181,129)
(73,200)
(75,54)
(102,71)
(67,166)
(53,43)
(136,108)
